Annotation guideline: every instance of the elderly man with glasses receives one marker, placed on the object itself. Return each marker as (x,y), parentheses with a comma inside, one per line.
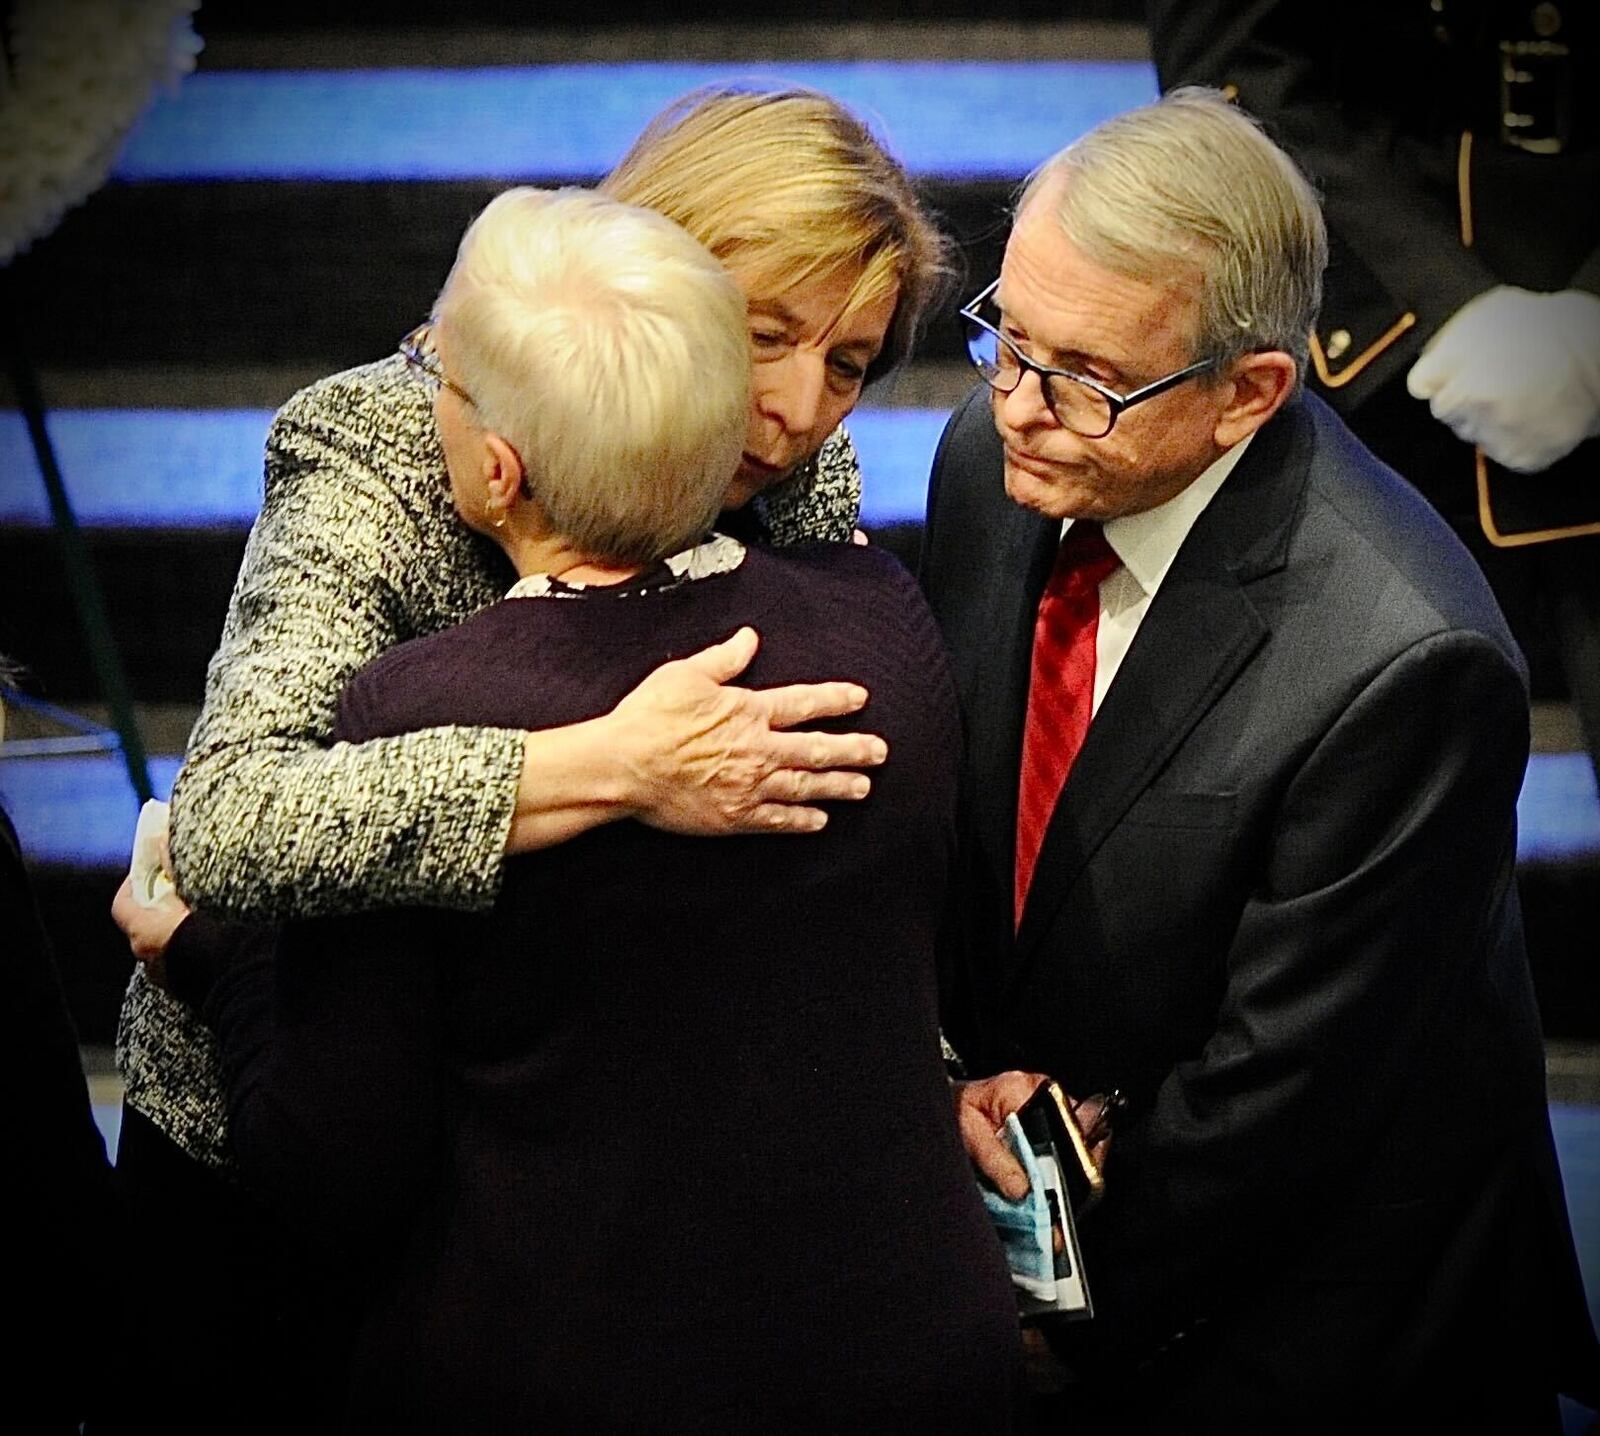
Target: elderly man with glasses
(1245,737)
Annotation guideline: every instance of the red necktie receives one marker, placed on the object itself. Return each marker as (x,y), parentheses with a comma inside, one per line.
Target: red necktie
(1060,687)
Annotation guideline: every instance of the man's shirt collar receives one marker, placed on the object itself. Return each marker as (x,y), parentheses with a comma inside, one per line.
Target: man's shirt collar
(1148,542)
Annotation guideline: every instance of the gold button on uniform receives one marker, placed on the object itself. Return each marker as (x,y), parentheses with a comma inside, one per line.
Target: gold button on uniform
(1338,343)
(1546,20)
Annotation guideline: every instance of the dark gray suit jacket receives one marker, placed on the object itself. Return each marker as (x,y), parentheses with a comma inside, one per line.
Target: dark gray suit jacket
(1275,906)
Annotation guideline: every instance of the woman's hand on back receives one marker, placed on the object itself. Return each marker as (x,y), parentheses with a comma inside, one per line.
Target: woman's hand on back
(712,759)
(688,753)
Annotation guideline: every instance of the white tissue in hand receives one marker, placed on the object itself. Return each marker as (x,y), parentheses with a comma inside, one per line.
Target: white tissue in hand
(149,878)
(1518,374)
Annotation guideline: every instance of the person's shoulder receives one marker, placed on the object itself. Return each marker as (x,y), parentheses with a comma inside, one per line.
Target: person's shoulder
(1381,510)
(375,409)
(859,589)
(365,435)
(416,684)
(852,565)
(1375,523)
(969,433)
(379,386)
(966,495)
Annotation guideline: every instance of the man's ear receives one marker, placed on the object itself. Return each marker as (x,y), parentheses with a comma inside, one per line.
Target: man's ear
(502,472)
(1262,384)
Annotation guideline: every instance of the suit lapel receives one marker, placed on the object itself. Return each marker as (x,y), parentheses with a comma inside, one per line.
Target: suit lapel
(1202,628)
(1025,548)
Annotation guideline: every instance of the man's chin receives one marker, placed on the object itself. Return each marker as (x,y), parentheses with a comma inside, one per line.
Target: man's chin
(1050,498)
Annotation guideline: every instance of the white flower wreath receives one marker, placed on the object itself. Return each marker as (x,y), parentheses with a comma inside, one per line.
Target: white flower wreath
(77,74)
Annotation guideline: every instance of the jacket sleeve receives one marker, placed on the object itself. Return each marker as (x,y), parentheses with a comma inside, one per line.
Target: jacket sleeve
(1306,71)
(1356,981)
(271,820)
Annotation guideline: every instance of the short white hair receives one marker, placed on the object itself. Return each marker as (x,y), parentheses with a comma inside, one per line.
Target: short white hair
(1192,181)
(611,351)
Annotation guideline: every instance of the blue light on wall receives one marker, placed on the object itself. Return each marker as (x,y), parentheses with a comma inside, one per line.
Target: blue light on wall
(573,122)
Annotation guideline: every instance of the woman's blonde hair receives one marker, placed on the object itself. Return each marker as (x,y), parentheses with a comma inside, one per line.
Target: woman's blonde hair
(610,350)
(786,186)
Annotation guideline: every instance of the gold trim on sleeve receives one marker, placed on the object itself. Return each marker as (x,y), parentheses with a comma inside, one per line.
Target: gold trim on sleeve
(1319,360)
(1464,187)
(1503,540)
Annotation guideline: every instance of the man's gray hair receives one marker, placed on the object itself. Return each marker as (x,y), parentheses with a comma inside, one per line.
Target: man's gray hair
(611,351)
(1192,181)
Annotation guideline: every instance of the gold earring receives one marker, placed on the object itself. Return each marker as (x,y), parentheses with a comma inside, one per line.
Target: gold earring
(499,521)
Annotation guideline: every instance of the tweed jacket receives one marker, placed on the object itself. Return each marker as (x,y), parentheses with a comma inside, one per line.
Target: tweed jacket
(357,548)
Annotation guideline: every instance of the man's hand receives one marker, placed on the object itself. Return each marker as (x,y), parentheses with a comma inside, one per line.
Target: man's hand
(1516,373)
(981,1110)
(708,759)
(148,929)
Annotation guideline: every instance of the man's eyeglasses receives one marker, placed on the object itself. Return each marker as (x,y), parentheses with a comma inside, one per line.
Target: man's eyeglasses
(418,351)
(1079,403)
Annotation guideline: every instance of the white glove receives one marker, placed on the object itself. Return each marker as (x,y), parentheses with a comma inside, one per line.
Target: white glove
(1516,373)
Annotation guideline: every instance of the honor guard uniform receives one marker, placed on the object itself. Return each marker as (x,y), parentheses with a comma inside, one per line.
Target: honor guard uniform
(1457,147)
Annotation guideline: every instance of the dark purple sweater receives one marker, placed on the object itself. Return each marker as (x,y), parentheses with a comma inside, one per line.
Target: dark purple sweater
(663,1142)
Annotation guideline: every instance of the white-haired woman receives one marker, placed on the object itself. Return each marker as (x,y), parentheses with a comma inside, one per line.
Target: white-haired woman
(689,1163)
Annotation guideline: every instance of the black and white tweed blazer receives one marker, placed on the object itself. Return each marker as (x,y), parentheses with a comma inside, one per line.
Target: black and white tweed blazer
(357,548)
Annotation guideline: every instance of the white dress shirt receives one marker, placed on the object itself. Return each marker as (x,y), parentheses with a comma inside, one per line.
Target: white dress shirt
(1146,543)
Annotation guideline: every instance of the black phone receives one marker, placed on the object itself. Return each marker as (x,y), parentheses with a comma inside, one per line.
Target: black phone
(1048,1115)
